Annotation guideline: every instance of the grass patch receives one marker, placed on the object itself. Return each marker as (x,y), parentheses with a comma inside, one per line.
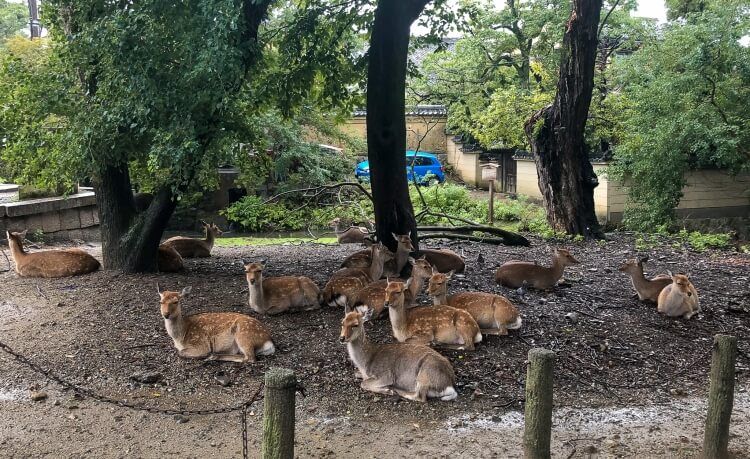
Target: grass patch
(261,241)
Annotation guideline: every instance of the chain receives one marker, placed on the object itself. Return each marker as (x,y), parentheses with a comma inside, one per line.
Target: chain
(86,392)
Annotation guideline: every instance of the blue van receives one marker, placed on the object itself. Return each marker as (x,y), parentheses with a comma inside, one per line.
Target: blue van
(427,168)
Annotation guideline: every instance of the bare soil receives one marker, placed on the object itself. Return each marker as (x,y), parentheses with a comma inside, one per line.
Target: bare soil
(629,382)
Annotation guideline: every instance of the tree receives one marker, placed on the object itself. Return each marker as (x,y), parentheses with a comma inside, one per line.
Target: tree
(556,132)
(13,18)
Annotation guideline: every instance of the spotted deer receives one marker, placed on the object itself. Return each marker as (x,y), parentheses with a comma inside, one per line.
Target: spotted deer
(444,260)
(442,325)
(227,336)
(49,263)
(393,267)
(275,295)
(373,295)
(516,274)
(351,235)
(412,371)
(189,247)
(494,314)
(647,289)
(345,282)
(680,298)
(169,260)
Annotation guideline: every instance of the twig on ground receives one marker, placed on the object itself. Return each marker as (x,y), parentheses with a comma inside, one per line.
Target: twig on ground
(41,292)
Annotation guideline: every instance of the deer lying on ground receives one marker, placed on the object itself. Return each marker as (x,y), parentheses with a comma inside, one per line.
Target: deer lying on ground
(494,314)
(275,295)
(646,289)
(412,371)
(445,260)
(345,282)
(680,298)
(189,247)
(516,274)
(443,325)
(393,267)
(351,235)
(373,295)
(228,336)
(49,263)
(169,260)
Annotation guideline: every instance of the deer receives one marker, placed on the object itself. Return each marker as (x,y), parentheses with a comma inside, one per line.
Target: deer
(392,268)
(169,260)
(412,371)
(345,282)
(373,295)
(189,247)
(227,336)
(494,314)
(275,295)
(647,289)
(680,298)
(444,260)
(351,235)
(49,263)
(442,325)
(517,274)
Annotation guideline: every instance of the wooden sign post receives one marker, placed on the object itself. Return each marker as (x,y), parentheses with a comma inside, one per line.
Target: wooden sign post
(489,173)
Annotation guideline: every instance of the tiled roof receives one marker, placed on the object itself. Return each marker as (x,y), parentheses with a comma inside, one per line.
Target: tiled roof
(418,110)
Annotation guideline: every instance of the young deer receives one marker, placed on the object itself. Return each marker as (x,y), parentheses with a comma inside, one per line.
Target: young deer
(275,295)
(373,295)
(226,336)
(646,289)
(412,371)
(351,235)
(189,247)
(445,260)
(169,260)
(393,267)
(449,327)
(494,314)
(680,298)
(345,282)
(49,263)
(519,273)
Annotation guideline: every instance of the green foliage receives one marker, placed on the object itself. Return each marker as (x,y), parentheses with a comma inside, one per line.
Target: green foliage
(13,17)
(700,242)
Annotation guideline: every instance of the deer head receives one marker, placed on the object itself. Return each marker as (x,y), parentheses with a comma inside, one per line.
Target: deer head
(170,302)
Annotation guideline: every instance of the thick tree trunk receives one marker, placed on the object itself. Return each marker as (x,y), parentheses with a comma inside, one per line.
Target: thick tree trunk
(556,132)
(386,121)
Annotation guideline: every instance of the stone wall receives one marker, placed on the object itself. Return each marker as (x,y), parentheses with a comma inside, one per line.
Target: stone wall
(59,218)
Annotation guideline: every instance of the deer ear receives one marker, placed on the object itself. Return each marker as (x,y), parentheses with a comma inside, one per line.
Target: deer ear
(412,261)
(670,273)
(408,283)
(347,308)
(186,291)
(423,257)
(449,274)
(22,234)
(367,316)
(395,236)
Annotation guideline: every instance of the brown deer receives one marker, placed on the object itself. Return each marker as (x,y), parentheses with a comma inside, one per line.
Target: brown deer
(189,247)
(275,295)
(169,260)
(351,235)
(647,289)
(443,325)
(516,274)
(49,263)
(373,295)
(393,267)
(680,298)
(412,371)
(345,282)
(228,336)
(445,260)
(494,314)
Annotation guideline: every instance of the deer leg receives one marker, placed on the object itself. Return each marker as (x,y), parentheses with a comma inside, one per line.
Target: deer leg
(415,396)
(233,358)
(419,339)
(500,331)
(377,386)
(192,353)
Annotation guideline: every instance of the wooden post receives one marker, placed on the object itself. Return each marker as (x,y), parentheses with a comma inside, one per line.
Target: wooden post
(538,413)
(492,201)
(720,397)
(278,414)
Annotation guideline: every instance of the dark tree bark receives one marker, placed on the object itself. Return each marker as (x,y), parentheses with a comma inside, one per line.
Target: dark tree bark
(556,132)
(386,120)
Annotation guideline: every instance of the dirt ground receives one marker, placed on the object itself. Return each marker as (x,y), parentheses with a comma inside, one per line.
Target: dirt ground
(628,382)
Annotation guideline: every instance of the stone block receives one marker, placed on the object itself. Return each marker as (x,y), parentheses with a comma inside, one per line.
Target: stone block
(69,219)
(51,222)
(34,222)
(15,225)
(95,212)
(86,216)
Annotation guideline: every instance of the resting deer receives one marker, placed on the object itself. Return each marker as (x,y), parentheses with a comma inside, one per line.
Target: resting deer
(393,267)
(228,336)
(646,289)
(412,371)
(345,282)
(49,263)
(516,274)
(275,295)
(189,247)
(443,325)
(169,260)
(373,295)
(680,298)
(351,235)
(494,314)
(445,260)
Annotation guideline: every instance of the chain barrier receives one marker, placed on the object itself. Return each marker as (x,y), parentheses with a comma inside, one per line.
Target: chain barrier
(86,392)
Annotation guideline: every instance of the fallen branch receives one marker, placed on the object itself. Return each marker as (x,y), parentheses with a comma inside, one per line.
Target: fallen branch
(513,238)
(466,237)
(318,190)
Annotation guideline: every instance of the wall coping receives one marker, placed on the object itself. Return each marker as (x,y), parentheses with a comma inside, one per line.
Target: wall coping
(43,205)
(9,188)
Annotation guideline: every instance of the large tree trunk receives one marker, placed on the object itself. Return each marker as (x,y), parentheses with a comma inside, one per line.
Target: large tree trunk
(386,120)
(556,132)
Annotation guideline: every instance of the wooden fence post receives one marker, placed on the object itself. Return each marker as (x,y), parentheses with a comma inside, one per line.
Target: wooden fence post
(538,413)
(278,414)
(720,397)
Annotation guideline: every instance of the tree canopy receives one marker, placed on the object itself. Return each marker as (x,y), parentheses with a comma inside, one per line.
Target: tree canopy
(13,17)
